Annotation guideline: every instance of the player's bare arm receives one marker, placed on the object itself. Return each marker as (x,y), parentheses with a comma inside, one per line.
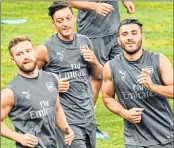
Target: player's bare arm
(101,8)
(133,115)
(7,103)
(129,6)
(42,55)
(63,124)
(166,72)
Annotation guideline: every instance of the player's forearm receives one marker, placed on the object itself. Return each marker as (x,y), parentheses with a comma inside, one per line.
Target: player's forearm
(165,91)
(83,5)
(96,70)
(61,120)
(8,133)
(115,107)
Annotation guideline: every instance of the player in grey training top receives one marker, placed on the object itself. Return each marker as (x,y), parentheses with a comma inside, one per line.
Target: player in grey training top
(143,81)
(31,101)
(69,56)
(99,21)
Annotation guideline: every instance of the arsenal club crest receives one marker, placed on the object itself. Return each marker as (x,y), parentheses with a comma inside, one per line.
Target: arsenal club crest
(50,86)
(150,69)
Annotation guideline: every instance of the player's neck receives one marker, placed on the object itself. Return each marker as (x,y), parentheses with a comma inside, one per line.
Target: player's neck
(134,57)
(66,38)
(32,74)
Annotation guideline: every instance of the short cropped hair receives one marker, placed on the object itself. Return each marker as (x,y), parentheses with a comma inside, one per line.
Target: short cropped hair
(130,21)
(58,5)
(17,40)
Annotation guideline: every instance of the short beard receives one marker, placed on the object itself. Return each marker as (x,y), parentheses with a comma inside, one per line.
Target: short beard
(28,71)
(139,45)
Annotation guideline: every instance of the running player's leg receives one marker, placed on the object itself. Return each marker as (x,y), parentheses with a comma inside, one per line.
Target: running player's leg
(91,134)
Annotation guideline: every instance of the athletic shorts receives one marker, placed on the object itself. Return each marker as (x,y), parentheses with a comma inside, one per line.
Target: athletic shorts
(167,145)
(106,48)
(85,136)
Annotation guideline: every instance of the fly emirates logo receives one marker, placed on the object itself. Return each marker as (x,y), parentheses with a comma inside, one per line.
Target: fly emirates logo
(76,71)
(139,92)
(45,111)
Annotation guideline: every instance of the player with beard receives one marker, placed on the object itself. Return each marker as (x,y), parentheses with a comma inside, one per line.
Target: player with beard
(143,81)
(70,56)
(31,101)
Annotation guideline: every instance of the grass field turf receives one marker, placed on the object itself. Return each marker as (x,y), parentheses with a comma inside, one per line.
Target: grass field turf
(157,18)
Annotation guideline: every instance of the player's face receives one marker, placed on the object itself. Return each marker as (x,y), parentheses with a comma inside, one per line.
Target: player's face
(63,20)
(24,56)
(130,38)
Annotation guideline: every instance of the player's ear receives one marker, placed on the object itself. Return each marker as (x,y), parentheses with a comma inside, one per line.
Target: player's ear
(143,37)
(53,23)
(13,60)
(119,41)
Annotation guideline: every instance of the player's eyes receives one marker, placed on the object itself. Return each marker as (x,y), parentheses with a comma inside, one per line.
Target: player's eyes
(18,54)
(28,50)
(124,34)
(134,33)
(59,20)
(69,18)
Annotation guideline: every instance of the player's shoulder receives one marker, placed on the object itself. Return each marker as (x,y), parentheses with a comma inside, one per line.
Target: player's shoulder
(13,84)
(49,74)
(117,58)
(49,40)
(113,62)
(15,79)
(151,53)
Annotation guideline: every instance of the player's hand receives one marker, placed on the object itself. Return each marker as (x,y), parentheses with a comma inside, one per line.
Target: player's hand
(69,136)
(103,8)
(88,54)
(63,84)
(28,140)
(133,115)
(145,79)
(129,6)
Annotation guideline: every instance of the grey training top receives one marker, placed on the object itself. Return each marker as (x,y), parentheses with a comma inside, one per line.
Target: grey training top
(93,25)
(34,111)
(66,60)
(156,125)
